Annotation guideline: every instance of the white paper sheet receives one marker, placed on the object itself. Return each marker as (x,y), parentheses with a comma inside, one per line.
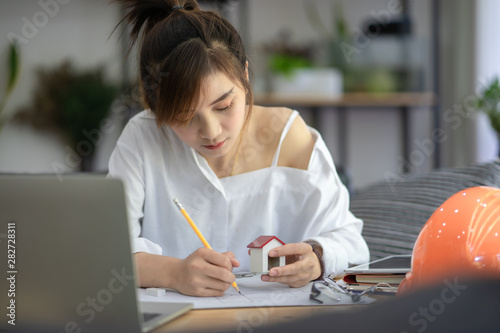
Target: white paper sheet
(255,293)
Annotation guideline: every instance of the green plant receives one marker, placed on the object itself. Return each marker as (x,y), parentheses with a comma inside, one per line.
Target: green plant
(285,56)
(286,64)
(488,101)
(12,75)
(71,103)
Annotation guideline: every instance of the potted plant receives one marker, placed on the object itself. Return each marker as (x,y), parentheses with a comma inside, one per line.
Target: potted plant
(71,103)
(488,101)
(293,70)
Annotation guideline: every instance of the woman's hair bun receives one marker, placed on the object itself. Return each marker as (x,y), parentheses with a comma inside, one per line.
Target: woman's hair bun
(147,13)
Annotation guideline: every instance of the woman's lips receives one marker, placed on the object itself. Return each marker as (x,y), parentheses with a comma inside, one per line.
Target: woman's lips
(216,146)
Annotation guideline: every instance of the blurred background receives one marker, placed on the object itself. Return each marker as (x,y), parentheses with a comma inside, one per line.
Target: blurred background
(396,87)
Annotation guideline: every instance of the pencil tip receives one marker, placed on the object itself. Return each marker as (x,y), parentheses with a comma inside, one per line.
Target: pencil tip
(239,292)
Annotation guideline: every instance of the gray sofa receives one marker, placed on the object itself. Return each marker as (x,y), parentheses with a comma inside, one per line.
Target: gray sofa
(394,214)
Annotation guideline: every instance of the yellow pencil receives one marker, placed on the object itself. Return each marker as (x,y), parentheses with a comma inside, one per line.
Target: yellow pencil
(198,232)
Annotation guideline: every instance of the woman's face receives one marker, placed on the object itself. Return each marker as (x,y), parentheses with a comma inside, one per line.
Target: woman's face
(218,119)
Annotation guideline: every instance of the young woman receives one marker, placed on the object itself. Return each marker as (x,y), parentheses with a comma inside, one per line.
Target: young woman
(240,170)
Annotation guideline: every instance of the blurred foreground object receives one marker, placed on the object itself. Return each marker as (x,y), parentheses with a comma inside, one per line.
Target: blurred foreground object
(461,238)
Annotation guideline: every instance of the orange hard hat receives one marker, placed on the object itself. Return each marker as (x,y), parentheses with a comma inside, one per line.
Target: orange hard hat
(461,238)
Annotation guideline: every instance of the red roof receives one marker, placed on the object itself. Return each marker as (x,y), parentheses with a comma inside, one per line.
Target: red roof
(259,242)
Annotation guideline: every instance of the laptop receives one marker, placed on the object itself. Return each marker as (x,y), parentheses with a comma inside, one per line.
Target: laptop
(70,268)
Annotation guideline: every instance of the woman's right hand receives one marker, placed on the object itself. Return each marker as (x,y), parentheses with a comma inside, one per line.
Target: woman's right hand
(205,273)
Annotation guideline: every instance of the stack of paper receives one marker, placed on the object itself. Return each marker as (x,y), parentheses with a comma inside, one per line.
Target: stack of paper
(385,274)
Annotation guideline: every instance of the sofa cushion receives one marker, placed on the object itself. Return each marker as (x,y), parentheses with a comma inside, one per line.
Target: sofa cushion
(395,212)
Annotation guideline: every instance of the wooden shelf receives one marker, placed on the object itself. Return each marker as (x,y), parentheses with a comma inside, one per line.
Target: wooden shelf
(405,99)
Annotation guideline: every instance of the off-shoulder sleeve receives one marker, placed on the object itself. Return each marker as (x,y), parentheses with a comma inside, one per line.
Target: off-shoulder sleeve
(126,163)
(335,228)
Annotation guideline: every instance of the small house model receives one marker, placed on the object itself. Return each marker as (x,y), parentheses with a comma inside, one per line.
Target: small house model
(260,262)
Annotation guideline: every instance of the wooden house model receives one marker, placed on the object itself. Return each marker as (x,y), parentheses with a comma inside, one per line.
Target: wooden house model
(260,262)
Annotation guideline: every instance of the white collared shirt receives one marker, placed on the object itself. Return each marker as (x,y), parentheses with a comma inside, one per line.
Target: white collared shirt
(292,204)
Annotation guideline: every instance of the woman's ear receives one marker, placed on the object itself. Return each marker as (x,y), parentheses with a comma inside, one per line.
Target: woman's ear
(246,71)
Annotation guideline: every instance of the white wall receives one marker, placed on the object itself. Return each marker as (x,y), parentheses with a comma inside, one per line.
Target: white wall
(487,67)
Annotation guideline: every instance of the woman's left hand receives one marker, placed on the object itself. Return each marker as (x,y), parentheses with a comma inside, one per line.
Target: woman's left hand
(302,265)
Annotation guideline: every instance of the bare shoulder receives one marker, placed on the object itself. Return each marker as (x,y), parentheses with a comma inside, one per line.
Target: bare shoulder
(267,127)
(273,118)
(297,146)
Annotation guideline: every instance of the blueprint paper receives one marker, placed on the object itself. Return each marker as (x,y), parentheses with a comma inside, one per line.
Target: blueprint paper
(254,293)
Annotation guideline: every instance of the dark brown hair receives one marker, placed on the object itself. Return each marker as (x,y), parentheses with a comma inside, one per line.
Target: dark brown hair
(181,45)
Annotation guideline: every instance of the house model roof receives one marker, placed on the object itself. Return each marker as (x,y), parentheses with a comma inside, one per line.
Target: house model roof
(259,242)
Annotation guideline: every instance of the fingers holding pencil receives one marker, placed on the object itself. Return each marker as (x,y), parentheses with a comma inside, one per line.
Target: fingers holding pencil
(233,261)
(232,258)
(204,273)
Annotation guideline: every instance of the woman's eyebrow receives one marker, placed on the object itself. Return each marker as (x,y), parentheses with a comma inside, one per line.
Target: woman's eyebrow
(223,96)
